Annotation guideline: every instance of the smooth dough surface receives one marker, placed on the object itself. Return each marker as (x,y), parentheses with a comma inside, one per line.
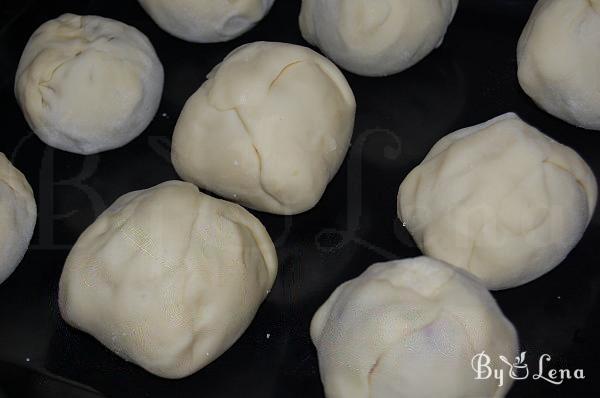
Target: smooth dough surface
(207,21)
(268,129)
(168,277)
(500,199)
(559,60)
(410,328)
(376,37)
(87,84)
(18,214)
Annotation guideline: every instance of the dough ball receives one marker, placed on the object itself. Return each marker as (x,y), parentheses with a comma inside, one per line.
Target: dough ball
(88,84)
(500,199)
(376,37)
(18,213)
(559,60)
(411,328)
(207,21)
(168,277)
(268,129)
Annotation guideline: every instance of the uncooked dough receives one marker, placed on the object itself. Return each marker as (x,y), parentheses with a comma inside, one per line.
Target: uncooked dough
(411,328)
(500,199)
(268,129)
(376,37)
(207,21)
(168,277)
(559,60)
(87,84)
(18,213)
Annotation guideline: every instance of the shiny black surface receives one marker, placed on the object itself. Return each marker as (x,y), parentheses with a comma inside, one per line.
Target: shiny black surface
(470,79)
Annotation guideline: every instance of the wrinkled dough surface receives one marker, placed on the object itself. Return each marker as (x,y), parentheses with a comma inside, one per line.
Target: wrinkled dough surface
(500,199)
(268,129)
(207,21)
(376,37)
(18,214)
(559,60)
(410,328)
(168,277)
(87,84)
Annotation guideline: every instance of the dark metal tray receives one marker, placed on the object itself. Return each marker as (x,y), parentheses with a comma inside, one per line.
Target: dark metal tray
(468,80)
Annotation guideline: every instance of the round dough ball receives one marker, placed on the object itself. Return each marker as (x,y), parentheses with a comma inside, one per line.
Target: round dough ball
(268,129)
(207,21)
(559,60)
(88,84)
(411,328)
(168,277)
(18,213)
(500,199)
(376,37)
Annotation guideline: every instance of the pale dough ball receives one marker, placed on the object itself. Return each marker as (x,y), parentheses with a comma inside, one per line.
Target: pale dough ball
(559,60)
(376,37)
(207,21)
(268,129)
(411,328)
(87,84)
(500,199)
(18,213)
(168,277)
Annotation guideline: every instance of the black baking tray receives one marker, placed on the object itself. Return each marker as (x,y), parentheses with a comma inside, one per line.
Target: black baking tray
(469,79)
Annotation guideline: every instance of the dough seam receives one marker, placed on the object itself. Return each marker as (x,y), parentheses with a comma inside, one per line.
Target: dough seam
(570,172)
(256,240)
(408,333)
(283,70)
(258,158)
